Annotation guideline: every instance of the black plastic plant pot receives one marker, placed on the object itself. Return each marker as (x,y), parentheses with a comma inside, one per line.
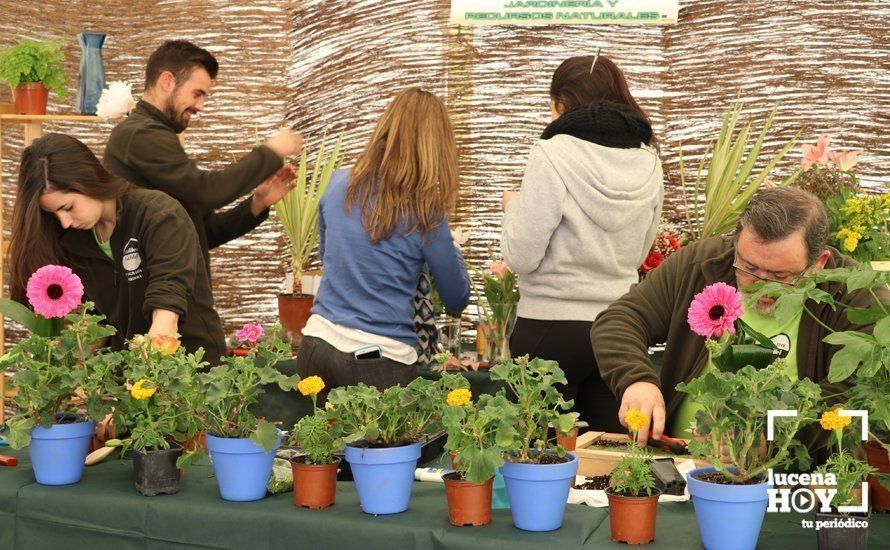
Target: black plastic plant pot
(842,531)
(156,471)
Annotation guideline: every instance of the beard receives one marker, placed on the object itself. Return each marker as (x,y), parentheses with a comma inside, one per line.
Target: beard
(178,120)
(764,306)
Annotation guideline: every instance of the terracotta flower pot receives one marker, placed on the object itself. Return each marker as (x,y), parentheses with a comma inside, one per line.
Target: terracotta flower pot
(879,458)
(468,503)
(315,485)
(30,98)
(632,519)
(293,312)
(568,442)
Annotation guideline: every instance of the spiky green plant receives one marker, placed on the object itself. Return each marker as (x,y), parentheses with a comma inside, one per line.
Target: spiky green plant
(298,210)
(729,176)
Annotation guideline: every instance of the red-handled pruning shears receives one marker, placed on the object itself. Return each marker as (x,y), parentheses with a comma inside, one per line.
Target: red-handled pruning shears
(670,444)
(6,460)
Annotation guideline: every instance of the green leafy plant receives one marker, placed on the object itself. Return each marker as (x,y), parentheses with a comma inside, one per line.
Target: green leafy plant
(162,379)
(533,384)
(59,377)
(298,210)
(863,358)
(860,225)
(35,61)
(734,414)
(317,434)
(728,177)
(479,432)
(849,472)
(227,391)
(632,475)
(396,416)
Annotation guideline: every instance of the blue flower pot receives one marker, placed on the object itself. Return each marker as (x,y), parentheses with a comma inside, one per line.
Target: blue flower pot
(57,453)
(242,468)
(383,477)
(729,516)
(538,492)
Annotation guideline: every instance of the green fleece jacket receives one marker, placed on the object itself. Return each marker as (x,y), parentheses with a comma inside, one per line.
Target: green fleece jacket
(654,312)
(145,150)
(157,265)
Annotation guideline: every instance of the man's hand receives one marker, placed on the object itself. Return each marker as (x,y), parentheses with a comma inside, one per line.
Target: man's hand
(646,398)
(507,197)
(285,143)
(273,189)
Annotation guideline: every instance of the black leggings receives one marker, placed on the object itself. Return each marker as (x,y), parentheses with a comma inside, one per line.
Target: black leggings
(568,343)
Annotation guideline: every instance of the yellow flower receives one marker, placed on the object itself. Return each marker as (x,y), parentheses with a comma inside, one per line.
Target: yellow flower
(167,345)
(328,406)
(832,420)
(143,389)
(850,238)
(310,385)
(458,398)
(636,420)
(138,341)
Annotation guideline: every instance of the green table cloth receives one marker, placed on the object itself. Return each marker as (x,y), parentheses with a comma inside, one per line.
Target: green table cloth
(105,511)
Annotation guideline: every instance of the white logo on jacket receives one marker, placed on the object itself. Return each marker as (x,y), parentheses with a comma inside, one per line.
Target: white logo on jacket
(132,260)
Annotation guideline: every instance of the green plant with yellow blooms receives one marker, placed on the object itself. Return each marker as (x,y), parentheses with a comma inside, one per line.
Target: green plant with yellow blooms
(478,433)
(632,475)
(317,436)
(159,379)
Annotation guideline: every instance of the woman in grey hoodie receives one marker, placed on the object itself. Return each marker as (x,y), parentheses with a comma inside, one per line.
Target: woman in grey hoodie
(582,223)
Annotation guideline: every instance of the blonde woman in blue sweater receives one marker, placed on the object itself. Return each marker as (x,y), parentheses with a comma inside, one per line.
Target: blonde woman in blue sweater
(582,223)
(379,224)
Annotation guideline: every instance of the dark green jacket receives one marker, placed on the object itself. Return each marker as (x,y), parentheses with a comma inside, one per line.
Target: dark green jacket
(655,311)
(146,151)
(157,265)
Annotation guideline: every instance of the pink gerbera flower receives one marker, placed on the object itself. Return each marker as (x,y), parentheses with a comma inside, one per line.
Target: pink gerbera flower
(54,291)
(250,333)
(715,310)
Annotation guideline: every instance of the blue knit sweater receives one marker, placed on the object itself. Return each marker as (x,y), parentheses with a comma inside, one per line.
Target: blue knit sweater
(371,287)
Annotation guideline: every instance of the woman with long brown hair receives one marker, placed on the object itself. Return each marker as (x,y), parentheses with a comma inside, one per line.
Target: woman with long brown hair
(379,225)
(582,223)
(135,250)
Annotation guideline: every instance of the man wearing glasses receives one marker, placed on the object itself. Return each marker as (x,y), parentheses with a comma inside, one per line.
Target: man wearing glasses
(781,236)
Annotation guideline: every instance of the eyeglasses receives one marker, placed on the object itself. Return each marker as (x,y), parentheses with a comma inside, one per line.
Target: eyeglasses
(792,282)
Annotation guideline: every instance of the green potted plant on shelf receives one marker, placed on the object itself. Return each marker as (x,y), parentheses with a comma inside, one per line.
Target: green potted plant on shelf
(298,213)
(478,433)
(318,437)
(846,475)
(160,379)
(862,360)
(633,497)
(32,68)
(61,387)
(383,432)
(241,445)
(537,473)
(730,498)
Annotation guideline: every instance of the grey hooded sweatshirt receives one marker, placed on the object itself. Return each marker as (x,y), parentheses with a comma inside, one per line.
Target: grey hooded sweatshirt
(583,223)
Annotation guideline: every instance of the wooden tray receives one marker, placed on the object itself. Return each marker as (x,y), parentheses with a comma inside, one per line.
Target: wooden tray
(601,462)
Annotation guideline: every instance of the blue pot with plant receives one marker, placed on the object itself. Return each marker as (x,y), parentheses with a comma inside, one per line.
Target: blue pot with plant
(383,432)
(538,473)
(731,497)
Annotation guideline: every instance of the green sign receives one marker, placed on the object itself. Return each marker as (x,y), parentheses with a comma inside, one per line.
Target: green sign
(564,12)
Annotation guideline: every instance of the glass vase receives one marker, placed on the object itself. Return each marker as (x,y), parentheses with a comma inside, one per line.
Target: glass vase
(91,78)
(496,327)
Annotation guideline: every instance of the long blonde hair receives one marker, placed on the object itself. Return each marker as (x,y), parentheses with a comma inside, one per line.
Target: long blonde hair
(408,173)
